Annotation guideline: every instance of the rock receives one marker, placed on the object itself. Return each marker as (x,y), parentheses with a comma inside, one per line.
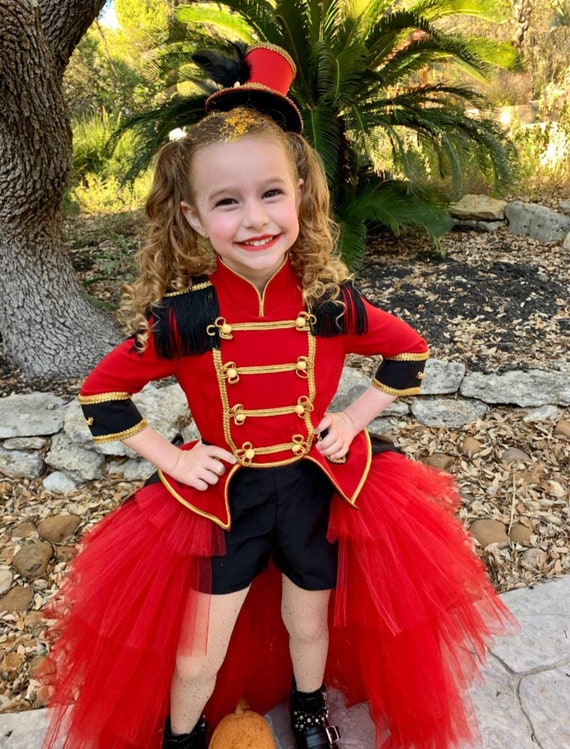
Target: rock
(563,428)
(441,412)
(65,552)
(440,460)
(58,527)
(489,532)
(132,470)
(514,455)
(30,415)
(17,599)
(543,413)
(190,432)
(78,463)
(566,243)
(18,464)
(471,446)
(442,377)
(564,206)
(32,560)
(24,530)
(545,698)
(6,580)
(533,388)
(537,221)
(59,482)
(25,443)
(352,384)
(478,207)
(520,534)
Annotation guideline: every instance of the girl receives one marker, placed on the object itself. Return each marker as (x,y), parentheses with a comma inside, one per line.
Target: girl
(214,581)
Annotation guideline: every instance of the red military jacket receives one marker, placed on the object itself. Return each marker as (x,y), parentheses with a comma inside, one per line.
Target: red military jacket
(263,387)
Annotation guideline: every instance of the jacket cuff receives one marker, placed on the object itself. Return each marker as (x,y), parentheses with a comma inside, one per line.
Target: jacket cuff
(111,416)
(401,375)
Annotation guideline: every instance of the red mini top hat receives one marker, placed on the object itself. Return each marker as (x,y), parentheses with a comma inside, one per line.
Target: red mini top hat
(271,72)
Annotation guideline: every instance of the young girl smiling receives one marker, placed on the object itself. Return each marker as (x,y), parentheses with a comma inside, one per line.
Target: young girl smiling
(215,580)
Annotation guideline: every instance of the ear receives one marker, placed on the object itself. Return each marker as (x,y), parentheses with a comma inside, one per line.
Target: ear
(299,192)
(191,215)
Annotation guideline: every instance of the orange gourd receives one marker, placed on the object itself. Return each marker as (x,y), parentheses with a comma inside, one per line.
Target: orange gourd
(242,729)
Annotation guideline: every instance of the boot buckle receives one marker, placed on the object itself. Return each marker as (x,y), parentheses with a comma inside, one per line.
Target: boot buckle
(333,734)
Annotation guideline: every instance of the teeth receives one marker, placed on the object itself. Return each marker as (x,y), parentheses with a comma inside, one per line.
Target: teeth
(259,242)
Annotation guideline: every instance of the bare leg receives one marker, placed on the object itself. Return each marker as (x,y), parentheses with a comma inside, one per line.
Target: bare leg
(305,615)
(195,673)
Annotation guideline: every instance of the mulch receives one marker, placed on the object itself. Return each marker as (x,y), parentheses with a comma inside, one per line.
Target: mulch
(493,301)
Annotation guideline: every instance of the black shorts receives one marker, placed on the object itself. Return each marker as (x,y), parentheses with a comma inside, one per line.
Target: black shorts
(283,512)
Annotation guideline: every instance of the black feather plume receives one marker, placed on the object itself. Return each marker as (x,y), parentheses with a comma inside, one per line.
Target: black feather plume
(225,68)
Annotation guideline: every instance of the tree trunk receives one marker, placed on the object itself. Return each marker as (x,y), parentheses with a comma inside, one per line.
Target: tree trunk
(522,10)
(48,327)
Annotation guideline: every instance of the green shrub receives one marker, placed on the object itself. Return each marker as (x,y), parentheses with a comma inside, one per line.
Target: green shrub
(543,153)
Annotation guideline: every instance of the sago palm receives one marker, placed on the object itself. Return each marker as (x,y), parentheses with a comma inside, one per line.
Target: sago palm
(371,86)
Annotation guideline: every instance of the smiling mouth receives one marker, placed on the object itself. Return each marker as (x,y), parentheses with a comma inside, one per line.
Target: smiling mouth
(258,244)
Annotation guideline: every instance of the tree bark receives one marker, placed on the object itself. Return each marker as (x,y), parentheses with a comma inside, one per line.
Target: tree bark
(522,10)
(49,329)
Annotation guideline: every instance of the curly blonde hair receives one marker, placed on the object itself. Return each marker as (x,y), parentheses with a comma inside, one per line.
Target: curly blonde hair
(173,254)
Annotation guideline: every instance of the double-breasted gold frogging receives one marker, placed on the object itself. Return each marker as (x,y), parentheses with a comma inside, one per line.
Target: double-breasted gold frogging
(262,384)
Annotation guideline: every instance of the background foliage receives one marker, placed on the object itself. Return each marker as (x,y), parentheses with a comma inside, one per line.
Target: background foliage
(143,66)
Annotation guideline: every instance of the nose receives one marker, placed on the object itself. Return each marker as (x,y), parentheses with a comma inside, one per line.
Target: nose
(255,214)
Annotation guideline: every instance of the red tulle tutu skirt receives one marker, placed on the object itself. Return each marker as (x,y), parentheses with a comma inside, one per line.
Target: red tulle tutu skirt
(410,619)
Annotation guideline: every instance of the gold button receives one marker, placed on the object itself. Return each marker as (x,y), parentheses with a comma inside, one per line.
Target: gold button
(300,410)
(239,418)
(300,322)
(302,365)
(232,373)
(226,328)
(249,454)
(298,449)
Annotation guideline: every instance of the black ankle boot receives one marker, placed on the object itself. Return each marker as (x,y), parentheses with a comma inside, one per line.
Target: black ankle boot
(310,720)
(196,739)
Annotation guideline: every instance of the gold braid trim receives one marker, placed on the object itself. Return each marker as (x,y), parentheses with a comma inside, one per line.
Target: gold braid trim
(195,287)
(122,435)
(394,391)
(408,357)
(86,400)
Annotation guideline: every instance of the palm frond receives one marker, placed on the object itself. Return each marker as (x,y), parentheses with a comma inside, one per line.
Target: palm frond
(152,128)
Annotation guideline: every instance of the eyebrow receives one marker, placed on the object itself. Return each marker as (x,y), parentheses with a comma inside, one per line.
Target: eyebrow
(230,189)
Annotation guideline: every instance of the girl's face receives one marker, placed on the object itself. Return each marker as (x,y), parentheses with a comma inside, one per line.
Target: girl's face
(246,201)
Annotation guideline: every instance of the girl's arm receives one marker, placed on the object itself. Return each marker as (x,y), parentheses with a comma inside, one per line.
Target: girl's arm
(342,427)
(199,467)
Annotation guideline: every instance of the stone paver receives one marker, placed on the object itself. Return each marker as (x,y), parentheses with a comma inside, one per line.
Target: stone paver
(524,702)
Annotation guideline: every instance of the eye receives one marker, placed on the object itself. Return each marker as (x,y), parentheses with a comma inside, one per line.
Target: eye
(224,202)
(273,192)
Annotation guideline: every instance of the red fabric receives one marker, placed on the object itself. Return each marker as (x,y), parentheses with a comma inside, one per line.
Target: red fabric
(270,67)
(409,623)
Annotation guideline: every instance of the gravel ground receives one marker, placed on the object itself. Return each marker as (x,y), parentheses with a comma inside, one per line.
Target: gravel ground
(494,302)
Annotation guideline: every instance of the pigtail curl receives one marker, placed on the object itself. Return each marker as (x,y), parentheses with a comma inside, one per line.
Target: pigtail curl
(172,253)
(314,256)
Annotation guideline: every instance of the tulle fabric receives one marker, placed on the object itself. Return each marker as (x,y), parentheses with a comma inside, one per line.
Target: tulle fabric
(118,622)
(410,619)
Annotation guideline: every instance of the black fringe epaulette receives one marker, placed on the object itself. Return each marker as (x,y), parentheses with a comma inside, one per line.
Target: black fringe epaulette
(182,323)
(340,316)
